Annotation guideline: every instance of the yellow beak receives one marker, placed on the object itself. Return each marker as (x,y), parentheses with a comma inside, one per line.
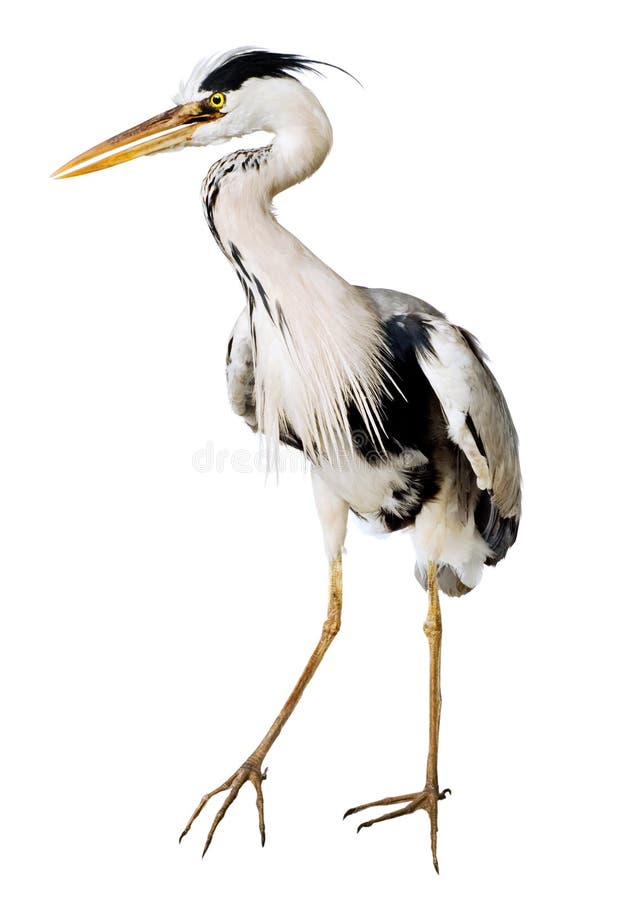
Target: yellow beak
(171,128)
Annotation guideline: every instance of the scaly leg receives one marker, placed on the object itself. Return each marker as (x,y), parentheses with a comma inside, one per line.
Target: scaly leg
(251,769)
(427,798)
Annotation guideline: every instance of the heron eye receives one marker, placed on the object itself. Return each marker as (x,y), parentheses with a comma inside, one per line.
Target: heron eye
(216,100)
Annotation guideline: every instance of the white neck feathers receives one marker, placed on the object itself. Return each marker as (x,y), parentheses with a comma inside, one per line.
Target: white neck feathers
(318,345)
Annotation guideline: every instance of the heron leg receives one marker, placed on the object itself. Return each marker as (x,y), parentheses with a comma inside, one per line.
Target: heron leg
(427,798)
(251,769)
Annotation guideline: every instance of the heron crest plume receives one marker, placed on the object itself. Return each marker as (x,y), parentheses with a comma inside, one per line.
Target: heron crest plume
(229,70)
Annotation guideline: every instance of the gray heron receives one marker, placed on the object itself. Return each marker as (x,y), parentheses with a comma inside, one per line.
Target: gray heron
(395,407)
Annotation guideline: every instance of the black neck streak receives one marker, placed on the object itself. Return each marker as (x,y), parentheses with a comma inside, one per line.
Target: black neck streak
(242,162)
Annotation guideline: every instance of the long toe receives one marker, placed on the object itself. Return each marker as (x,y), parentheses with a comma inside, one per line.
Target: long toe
(418,803)
(386,801)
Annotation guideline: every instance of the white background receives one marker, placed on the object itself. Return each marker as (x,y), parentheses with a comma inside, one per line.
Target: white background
(155,616)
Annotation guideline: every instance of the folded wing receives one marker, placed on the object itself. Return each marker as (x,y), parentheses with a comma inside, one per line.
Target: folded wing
(479,423)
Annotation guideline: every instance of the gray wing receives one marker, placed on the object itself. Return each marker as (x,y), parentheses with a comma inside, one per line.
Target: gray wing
(489,421)
(240,371)
(477,416)
(476,413)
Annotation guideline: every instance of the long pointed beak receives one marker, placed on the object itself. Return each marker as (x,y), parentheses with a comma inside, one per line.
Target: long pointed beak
(172,128)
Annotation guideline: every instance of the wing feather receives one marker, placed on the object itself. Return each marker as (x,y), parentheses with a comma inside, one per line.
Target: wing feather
(240,371)
(477,416)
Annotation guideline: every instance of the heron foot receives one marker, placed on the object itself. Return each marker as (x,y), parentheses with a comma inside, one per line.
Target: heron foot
(426,799)
(251,771)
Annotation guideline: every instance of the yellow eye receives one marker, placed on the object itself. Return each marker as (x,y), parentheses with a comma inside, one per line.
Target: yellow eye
(217,100)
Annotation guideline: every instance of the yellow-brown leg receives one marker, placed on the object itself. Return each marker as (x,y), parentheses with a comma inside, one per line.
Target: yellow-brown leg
(251,769)
(427,798)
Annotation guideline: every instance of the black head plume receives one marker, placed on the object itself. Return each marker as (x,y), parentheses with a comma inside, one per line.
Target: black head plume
(242,64)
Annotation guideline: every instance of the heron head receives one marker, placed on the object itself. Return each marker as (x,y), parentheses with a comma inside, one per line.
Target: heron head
(226,96)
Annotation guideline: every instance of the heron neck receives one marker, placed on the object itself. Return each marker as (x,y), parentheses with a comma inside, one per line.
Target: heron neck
(316,340)
(297,152)
(239,190)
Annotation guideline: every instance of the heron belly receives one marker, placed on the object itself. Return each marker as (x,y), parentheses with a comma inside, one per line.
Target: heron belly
(390,493)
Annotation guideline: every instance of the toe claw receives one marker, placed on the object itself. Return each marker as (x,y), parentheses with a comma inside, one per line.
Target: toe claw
(207,845)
